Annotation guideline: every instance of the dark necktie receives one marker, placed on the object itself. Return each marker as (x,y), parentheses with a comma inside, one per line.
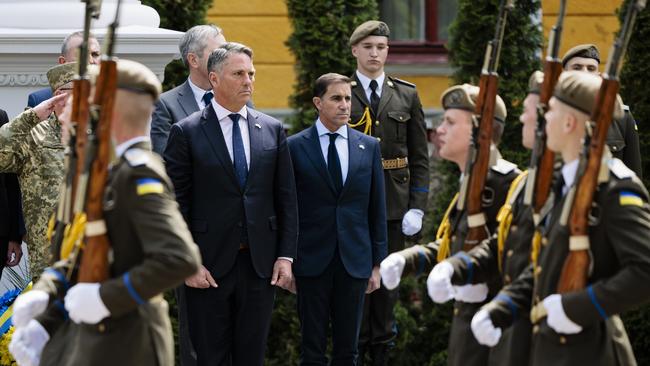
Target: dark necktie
(207,97)
(238,152)
(333,163)
(374,98)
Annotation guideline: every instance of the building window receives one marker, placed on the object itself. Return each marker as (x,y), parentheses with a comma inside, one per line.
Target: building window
(419,29)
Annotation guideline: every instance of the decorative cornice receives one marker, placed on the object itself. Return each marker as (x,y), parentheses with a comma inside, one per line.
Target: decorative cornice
(25,79)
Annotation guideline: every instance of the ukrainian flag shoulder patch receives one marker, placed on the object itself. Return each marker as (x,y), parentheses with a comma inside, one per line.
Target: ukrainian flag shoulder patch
(148,186)
(628,198)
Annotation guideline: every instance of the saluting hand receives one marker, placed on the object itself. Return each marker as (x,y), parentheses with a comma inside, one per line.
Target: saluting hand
(282,275)
(202,279)
(46,107)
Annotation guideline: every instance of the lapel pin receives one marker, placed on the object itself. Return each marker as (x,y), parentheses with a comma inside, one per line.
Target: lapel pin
(362,147)
(258,126)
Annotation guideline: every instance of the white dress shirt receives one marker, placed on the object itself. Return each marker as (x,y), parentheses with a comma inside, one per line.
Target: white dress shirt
(341,144)
(121,148)
(223,115)
(198,94)
(365,83)
(569,171)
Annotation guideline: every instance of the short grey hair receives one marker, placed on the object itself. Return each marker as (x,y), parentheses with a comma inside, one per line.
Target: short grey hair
(219,56)
(195,40)
(65,47)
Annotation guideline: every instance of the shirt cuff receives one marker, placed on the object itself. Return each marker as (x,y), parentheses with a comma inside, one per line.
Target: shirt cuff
(287,258)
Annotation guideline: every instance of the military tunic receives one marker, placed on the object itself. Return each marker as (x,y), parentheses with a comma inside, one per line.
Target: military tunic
(463,348)
(513,347)
(623,141)
(32,149)
(152,251)
(619,279)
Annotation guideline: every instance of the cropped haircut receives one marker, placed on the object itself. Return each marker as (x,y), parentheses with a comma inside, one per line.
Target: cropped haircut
(324,81)
(195,40)
(219,56)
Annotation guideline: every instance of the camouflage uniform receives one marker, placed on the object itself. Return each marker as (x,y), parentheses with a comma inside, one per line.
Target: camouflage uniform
(32,149)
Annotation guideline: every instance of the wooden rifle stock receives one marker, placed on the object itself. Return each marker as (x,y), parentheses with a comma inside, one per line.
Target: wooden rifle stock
(94,266)
(483,139)
(575,271)
(576,266)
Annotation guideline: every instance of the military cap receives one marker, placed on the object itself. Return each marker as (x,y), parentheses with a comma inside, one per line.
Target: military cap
(582,50)
(369,28)
(579,90)
(464,97)
(535,82)
(60,75)
(133,76)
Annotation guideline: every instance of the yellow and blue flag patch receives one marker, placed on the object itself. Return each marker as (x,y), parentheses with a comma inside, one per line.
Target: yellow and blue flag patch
(148,186)
(627,198)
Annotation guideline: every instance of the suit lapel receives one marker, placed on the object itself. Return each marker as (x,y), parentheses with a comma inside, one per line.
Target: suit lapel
(186,99)
(312,148)
(355,153)
(214,135)
(255,136)
(386,94)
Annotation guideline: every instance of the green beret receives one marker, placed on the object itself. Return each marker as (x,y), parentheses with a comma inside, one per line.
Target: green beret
(535,82)
(464,97)
(582,50)
(61,74)
(579,90)
(369,28)
(135,77)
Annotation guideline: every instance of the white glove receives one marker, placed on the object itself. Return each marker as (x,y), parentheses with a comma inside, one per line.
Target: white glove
(84,305)
(439,282)
(412,221)
(471,293)
(27,343)
(391,270)
(484,330)
(29,305)
(556,317)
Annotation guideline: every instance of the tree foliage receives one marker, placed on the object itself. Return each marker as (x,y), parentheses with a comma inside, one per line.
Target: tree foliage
(319,42)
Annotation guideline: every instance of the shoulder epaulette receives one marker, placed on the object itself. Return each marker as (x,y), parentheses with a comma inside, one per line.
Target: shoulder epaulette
(403,82)
(620,170)
(504,167)
(137,157)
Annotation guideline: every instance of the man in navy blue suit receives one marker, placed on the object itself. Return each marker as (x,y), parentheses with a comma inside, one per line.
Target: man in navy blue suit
(342,224)
(233,178)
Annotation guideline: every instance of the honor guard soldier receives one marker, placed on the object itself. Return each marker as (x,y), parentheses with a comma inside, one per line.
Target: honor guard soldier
(455,133)
(123,320)
(389,109)
(580,326)
(623,135)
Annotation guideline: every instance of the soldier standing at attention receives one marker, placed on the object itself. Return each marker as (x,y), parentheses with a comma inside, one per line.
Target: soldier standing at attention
(30,146)
(623,135)
(580,327)
(123,320)
(389,109)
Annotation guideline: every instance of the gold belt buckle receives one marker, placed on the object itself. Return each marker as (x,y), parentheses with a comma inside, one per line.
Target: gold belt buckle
(396,163)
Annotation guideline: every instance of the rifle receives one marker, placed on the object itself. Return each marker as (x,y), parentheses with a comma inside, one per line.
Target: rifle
(94,265)
(479,155)
(540,170)
(74,151)
(576,266)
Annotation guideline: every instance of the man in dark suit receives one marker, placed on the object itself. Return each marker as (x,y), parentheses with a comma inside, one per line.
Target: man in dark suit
(232,173)
(174,105)
(12,227)
(69,50)
(342,215)
(195,93)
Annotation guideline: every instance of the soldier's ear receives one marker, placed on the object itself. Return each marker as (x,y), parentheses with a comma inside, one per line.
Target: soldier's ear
(317,102)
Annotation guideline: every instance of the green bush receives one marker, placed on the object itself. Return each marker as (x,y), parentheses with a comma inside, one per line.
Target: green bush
(635,76)
(179,15)
(319,42)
